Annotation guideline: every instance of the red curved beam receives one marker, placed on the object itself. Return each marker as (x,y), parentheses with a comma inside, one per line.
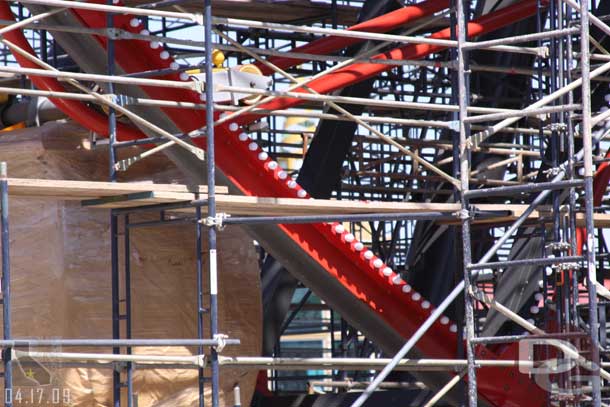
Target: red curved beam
(78,111)
(361,71)
(337,251)
(381,24)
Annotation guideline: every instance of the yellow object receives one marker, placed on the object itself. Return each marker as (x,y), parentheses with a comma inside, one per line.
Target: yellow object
(218,58)
(17,126)
(3,98)
(253,69)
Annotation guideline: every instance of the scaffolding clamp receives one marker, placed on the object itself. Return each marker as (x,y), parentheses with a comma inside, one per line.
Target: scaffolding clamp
(542,52)
(201,361)
(558,127)
(565,266)
(454,125)
(216,221)
(464,214)
(560,246)
(552,172)
(124,100)
(221,338)
(115,33)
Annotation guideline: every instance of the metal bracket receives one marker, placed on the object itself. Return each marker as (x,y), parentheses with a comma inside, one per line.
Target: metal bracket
(201,361)
(559,127)
(551,172)
(565,266)
(558,246)
(542,52)
(464,214)
(217,221)
(221,338)
(454,125)
(124,100)
(115,33)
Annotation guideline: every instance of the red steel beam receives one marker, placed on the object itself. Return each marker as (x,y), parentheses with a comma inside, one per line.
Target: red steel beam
(78,111)
(361,71)
(381,24)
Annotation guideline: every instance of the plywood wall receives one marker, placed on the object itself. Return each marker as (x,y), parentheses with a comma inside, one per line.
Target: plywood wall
(61,276)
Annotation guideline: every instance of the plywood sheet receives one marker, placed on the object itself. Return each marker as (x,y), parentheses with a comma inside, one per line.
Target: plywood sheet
(61,277)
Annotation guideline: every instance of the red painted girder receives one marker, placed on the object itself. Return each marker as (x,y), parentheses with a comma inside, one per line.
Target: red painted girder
(361,71)
(381,24)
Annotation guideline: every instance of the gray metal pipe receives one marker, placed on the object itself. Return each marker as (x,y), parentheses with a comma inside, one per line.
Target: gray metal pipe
(33,111)
(17,343)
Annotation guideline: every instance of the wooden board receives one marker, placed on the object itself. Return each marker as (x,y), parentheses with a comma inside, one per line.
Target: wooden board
(83,190)
(122,194)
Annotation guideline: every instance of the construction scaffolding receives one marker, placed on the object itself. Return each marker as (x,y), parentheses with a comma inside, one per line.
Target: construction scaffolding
(462,141)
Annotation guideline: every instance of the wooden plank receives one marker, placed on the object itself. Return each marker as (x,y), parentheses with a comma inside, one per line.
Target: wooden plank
(238,205)
(79,190)
(251,205)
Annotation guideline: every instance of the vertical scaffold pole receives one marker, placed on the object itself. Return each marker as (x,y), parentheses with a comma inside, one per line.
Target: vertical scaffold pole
(211,167)
(128,331)
(114,229)
(588,178)
(200,310)
(464,155)
(6,285)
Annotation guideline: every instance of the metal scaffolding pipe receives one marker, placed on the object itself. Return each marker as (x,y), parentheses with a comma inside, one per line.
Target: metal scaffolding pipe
(359,363)
(34,343)
(198,360)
